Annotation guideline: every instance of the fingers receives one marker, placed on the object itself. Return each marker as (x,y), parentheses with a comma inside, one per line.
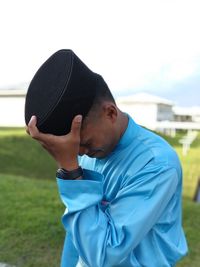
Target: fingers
(32,128)
(76,126)
(33,131)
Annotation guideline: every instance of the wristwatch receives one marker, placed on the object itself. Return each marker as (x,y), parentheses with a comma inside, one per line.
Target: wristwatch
(69,175)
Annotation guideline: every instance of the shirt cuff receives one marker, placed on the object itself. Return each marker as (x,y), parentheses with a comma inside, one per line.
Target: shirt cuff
(81,194)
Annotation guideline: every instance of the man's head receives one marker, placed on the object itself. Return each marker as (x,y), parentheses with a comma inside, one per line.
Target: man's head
(102,127)
(61,88)
(64,87)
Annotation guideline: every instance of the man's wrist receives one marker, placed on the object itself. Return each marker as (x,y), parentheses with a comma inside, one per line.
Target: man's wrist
(69,165)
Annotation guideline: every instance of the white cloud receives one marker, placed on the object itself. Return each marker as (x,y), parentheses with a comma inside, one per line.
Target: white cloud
(131,43)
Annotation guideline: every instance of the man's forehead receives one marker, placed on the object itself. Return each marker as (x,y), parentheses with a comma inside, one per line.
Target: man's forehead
(87,130)
(87,124)
(85,121)
(85,141)
(84,134)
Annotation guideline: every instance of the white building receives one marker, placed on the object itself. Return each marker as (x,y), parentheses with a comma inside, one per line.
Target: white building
(151,111)
(12,108)
(159,114)
(186,114)
(147,109)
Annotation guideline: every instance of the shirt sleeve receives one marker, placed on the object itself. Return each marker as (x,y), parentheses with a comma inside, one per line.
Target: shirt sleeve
(69,253)
(107,237)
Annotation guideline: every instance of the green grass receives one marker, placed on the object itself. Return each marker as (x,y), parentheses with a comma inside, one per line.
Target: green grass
(190,164)
(191,225)
(9,131)
(21,155)
(31,234)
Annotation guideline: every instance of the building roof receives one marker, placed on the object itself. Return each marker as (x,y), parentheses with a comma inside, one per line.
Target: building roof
(176,125)
(144,98)
(186,111)
(12,92)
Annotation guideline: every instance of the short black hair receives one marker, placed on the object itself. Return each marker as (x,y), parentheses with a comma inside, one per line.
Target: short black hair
(103,92)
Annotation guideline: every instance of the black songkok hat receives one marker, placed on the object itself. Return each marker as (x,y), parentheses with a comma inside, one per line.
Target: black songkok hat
(62,88)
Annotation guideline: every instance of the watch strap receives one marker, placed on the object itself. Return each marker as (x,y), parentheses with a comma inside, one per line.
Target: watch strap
(69,175)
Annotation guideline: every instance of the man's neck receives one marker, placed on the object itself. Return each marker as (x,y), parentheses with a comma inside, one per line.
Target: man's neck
(123,122)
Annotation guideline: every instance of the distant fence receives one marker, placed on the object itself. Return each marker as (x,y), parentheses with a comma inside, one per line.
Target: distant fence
(187,140)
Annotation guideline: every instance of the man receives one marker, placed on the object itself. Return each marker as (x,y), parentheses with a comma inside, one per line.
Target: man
(121,185)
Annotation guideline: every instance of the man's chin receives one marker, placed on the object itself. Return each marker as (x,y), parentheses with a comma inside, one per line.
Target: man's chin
(97,155)
(94,155)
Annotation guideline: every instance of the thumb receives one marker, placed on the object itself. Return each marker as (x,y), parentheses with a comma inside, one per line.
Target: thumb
(32,129)
(32,121)
(76,125)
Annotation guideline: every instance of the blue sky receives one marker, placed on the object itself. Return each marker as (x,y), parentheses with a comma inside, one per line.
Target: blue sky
(151,46)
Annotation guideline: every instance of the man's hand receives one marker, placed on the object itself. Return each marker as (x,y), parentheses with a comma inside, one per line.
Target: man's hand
(64,149)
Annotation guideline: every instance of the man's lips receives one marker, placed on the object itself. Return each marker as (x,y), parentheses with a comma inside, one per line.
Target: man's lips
(94,152)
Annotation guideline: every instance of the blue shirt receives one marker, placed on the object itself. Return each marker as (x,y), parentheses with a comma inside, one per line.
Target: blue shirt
(126,211)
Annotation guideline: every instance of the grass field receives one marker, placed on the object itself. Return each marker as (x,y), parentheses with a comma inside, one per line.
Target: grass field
(190,164)
(31,234)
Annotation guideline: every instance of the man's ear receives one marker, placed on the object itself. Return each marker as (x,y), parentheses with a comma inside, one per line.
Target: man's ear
(110,111)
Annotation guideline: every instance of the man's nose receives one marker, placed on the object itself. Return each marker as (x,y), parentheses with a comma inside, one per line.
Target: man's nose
(82,150)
